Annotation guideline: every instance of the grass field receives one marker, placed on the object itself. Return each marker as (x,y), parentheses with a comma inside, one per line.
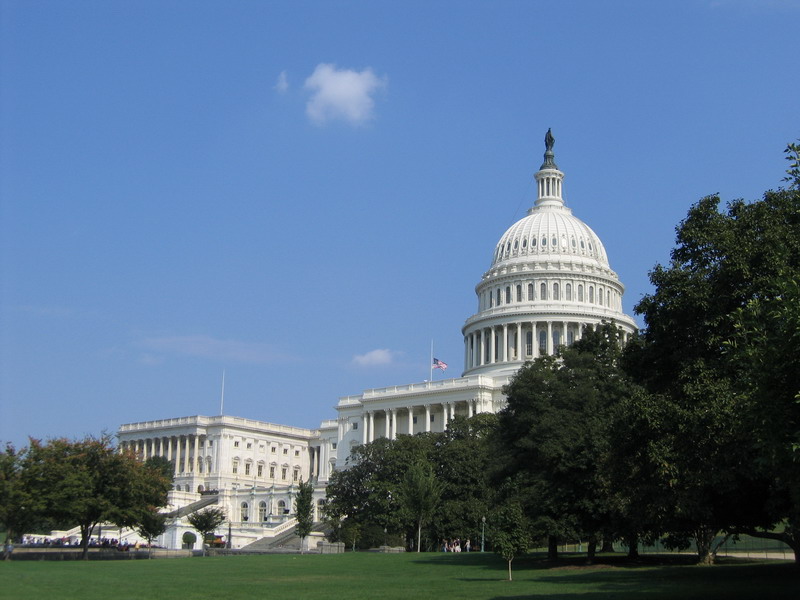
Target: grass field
(386,576)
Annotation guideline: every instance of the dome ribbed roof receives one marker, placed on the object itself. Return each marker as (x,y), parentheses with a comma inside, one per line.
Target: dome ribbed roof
(548,232)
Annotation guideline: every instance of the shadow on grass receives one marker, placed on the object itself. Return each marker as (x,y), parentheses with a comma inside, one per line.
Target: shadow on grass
(652,576)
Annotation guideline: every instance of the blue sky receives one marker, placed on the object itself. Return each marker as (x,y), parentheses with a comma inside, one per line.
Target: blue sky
(304,194)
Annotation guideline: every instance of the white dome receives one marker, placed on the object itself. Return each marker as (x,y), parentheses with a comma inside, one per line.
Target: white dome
(547,232)
(550,278)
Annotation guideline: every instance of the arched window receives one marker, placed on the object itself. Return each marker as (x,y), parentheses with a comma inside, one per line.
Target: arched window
(320,508)
(262,511)
(600,296)
(543,291)
(498,297)
(570,337)
(529,343)
(244,511)
(208,464)
(519,293)
(542,341)
(591,294)
(580,293)
(491,299)
(508,294)
(556,294)
(530,292)
(200,489)
(568,292)
(556,338)
(282,510)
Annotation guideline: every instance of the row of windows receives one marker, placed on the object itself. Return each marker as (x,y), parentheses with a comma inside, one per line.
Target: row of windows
(248,470)
(553,240)
(510,295)
(273,448)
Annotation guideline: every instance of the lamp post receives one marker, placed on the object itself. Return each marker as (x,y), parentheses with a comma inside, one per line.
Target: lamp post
(483,531)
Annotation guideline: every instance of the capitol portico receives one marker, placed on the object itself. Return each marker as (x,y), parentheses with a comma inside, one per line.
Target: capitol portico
(549,278)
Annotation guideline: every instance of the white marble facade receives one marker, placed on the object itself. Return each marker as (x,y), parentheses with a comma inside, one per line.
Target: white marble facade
(549,277)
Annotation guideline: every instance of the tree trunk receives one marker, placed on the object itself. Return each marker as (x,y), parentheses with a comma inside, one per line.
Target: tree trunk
(552,548)
(608,546)
(86,531)
(419,534)
(633,546)
(703,537)
(591,550)
(509,569)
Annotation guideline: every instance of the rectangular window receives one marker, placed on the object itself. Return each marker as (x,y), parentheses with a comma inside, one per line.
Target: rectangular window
(286,451)
(415,420)
(296,475)
(297,452)
(272,472)
(260,470)
(249,445)
(236,444)
(247,468)
(274,449)
(334,445)
(235,467)
(432,418)
(283,473)
(355,425)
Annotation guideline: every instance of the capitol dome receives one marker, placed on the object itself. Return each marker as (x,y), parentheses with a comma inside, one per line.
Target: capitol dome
(549,278)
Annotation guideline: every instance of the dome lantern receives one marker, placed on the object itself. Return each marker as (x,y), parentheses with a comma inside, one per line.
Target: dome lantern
(548,177)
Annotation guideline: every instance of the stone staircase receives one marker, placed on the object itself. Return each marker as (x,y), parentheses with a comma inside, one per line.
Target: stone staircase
(284,538)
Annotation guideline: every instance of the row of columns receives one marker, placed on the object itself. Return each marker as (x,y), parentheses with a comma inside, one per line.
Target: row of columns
(184,448)
(481,345)
(391,415)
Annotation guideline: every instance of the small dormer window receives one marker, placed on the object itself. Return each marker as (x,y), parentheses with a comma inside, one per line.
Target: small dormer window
(544,241)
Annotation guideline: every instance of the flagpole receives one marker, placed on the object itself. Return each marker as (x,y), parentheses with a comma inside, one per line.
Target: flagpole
(430,362)
(222,398)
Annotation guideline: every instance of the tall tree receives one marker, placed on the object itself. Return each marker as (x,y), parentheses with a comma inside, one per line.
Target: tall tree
(206,522)
(716,317)
(552,437)
(304,507)
(420,494)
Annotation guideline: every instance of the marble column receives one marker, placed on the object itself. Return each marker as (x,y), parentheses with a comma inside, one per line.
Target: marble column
(427,418)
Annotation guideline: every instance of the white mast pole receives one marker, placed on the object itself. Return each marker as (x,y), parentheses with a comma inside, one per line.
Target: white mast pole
(222,398)
(430,362)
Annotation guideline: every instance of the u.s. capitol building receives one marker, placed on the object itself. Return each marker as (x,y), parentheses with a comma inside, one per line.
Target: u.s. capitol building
(549,277)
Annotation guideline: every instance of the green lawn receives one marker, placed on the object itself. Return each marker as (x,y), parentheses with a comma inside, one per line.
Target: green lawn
(386,576)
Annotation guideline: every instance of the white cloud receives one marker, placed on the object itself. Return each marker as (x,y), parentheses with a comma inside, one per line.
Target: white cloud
(207,347)
(283,83)
(374,358)
(341,94)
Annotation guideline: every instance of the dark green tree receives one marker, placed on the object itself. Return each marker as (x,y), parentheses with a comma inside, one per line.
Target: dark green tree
(716,317)
(206,522)
(151,525)
(420,493)
(18,508)
(552,438)
(304,508)
(88,482)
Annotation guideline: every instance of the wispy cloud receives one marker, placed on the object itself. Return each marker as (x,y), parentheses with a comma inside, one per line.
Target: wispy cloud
(342,94)
(282,85)
(208,347)
(374,358)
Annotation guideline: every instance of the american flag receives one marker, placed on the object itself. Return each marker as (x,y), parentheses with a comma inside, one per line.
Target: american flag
(438,364)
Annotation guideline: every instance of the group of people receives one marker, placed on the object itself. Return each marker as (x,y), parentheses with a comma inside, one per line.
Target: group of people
(456,545)
(103,542)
